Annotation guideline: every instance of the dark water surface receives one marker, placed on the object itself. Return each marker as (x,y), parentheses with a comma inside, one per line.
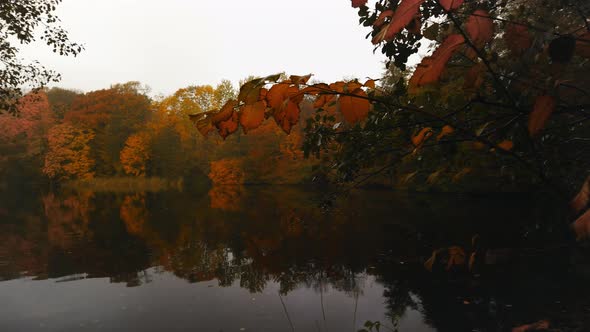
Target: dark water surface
(271,259)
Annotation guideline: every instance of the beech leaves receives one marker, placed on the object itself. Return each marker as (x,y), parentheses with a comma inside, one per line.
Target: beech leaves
(266,97)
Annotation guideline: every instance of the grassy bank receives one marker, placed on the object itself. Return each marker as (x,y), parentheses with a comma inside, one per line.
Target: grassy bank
(126,184)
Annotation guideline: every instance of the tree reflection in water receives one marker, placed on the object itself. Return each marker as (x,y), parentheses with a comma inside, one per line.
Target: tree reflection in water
(261,235)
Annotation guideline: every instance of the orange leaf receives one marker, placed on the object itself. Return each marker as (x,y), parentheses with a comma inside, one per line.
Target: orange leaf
(337,86)
(430,69)
(294,94)
(580,202)
(316,89)
(456,257)
(355,109)
(450,5)
(462,174)
(506,145)
(225,113)
(252,116)
(229,126)
(263,93)
(518,38)
(352,86)
(204,126)
(478,145)
(322,100)
(480,28)
(370,84)
(250,92)
(405,12)
(582,226)
(544,107)
(446,130)
(276,95)
(422,136)
(287,116)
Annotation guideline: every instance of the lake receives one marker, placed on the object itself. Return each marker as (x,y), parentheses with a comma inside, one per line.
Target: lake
(279,258)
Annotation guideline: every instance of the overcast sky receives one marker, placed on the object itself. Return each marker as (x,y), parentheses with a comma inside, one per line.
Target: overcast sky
(175,43)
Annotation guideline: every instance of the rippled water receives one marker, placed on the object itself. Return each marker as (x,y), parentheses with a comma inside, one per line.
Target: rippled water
(274,259)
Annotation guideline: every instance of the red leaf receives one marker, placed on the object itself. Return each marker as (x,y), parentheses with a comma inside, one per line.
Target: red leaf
(430,69)
(517,38)
(415,25)
(474,77)
(580,202)
(537,326)
(480,28)
(450,5)
(382,17)
(358,3)
(355,109)
(405,12)
(544,107)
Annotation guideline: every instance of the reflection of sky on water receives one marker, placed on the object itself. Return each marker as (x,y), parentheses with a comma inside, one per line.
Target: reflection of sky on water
(168,302)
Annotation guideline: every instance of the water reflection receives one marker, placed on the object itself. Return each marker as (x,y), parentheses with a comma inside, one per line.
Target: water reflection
(360,261)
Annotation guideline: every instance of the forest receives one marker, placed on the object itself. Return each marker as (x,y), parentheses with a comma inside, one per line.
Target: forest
(450,193)
(62,135)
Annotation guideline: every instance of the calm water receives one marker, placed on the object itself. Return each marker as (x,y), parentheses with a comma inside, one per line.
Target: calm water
(272,259)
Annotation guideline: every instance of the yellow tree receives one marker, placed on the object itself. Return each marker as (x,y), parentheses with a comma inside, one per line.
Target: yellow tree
(68,153)
(136,154)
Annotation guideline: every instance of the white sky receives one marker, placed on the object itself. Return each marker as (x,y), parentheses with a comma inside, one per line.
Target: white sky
(175,43)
